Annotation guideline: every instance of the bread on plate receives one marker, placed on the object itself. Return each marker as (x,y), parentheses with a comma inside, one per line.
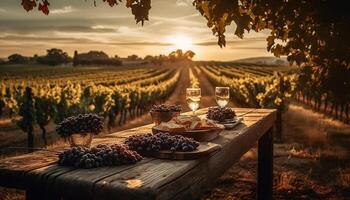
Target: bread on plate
(171,126)
(185,119)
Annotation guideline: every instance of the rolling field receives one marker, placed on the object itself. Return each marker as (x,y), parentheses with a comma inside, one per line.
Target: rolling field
(120,94)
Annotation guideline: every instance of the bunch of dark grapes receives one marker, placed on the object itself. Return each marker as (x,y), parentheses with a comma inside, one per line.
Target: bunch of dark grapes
(102,155)
(83,123)
(220,114)
(166,108)
(151,143)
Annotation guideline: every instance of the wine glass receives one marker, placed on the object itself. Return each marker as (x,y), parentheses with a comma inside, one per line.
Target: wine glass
(222,95)
(193,97)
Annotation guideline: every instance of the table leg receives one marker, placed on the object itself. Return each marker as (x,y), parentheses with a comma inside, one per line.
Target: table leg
(265,166)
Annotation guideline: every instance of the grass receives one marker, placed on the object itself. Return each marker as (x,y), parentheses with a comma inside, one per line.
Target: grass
(310,164)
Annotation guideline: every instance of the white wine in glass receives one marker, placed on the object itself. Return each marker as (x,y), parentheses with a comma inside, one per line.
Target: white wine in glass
(193,97)
(222,95)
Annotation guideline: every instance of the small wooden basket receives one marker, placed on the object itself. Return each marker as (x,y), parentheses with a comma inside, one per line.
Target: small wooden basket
(78,139)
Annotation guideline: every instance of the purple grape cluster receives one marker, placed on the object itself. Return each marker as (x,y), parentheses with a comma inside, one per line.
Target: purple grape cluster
(166,108)
(220,114)
(101,155)
(152,143)
(83,123)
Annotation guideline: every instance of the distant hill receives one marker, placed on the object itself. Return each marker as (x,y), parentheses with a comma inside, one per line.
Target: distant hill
(264,60)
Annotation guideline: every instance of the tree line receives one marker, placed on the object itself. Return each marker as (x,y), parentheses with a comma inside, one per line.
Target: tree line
(56,56)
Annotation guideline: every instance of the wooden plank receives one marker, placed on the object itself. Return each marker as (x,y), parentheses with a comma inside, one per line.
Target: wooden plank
(144,177)
(79,183)
(42,179)
(13,169)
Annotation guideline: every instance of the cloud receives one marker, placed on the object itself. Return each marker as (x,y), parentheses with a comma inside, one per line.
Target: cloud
(183,20)
(46,39)
(64,10)
(245,42)
(183,2)
(140,43)
(192,29)
(74,40)
(50,29)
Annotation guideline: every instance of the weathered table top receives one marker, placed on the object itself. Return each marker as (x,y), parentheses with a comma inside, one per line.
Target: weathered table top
(149,179)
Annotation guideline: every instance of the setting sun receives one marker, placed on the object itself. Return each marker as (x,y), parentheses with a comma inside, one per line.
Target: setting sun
(181,42)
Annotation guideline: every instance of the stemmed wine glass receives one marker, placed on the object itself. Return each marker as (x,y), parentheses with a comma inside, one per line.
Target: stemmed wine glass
(193,97)
(222,95)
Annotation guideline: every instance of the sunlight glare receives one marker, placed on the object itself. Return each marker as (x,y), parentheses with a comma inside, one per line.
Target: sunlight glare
(182,42)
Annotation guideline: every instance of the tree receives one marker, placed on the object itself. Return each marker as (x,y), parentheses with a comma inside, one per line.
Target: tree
(133,57)
(94,58)
(189,54)
(93,55)
(148,58)
(75,58)
(54,57)
(178,55)
(17,59)
(157,60)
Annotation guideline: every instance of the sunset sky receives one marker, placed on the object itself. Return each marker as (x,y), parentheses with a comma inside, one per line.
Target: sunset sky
(78,25)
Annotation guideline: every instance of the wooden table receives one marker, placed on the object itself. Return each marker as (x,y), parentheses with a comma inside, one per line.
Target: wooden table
(151,178)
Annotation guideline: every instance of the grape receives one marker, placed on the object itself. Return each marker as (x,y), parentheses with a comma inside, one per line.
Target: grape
(152,143)
(101,155)
(220,114)
(166,108)
(87,123)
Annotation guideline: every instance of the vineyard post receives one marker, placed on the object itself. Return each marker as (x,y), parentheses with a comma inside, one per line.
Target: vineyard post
(27,111)
(30,119)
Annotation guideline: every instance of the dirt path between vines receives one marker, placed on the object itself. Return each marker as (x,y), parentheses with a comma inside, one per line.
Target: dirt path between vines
(207,90)
(177,97)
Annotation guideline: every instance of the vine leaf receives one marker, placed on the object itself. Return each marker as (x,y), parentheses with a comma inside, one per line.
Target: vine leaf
(44,7)
(111,2)
(28,4)
(270,42)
